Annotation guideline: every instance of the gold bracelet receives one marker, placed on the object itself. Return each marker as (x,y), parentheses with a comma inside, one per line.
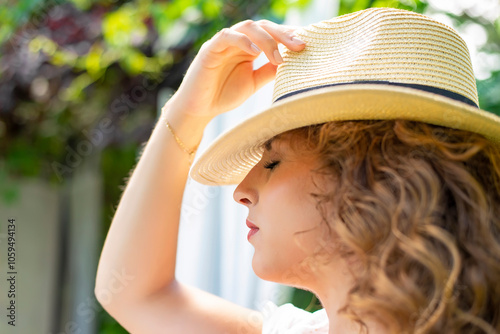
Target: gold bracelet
(181,144)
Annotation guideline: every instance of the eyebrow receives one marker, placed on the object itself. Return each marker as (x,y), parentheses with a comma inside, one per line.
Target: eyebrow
(268,143)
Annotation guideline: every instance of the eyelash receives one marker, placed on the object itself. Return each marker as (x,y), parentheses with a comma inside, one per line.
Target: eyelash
(271,164)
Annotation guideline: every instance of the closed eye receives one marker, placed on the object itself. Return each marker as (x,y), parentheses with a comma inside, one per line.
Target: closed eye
(271,164)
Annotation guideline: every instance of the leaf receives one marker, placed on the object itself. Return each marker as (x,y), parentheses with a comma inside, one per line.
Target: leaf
(93,61)
(134,62)
(82,4)
(124,27)
(211,8)
(279,8)
(24,158)
(74,92)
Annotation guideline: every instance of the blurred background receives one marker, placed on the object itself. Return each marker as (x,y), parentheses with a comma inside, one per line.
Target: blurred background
(81,86)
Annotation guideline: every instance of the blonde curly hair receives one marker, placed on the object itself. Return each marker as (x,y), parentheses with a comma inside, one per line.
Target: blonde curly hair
(419,206)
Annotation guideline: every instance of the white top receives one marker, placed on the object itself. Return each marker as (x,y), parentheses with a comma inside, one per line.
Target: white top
(293,320)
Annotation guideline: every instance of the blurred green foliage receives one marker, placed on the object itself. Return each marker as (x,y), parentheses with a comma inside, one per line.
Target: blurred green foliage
(305,300)
(349,6)
(66,64)
(489,93)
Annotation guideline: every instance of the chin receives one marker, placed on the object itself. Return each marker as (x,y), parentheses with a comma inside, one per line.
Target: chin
(287,275)
(267,270)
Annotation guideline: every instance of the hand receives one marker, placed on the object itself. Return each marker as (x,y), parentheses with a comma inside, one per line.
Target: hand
(221,76)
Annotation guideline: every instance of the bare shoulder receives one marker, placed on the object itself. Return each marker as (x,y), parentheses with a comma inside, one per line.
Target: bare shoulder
(184,309)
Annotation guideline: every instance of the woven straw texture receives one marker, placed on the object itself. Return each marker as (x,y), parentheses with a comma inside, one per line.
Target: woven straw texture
(379,44)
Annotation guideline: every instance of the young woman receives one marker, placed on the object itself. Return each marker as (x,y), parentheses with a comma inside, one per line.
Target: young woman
(373,181)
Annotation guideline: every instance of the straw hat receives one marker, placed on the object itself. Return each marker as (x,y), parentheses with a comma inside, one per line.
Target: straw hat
(379,63)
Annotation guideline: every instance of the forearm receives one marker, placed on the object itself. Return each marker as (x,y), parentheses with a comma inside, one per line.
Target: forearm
(142,240)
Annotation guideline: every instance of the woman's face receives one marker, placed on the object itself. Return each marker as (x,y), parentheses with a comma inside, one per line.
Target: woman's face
(277,193)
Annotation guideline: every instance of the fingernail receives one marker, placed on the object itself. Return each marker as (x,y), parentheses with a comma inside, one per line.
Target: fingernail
(277,57)
(297,40)
(255,48)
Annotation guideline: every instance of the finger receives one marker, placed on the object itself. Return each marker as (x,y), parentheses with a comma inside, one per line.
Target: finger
(283,34)
(228,37)
(261,38)
(264,74)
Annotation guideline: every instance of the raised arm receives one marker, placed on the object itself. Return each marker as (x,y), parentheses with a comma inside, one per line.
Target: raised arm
(136,275)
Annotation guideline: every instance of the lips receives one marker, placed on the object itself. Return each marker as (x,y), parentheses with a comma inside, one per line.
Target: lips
(253,229)
(251,225)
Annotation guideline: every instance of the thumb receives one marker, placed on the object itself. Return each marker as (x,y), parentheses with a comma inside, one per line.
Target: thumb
(264,74)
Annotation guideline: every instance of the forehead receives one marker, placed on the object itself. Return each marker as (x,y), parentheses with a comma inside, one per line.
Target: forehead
(286,144)
(268,144)
(274,142)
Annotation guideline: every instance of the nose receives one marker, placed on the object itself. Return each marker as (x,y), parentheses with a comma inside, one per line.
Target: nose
(246,192)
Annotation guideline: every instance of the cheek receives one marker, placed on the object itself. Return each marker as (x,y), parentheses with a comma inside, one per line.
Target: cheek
(291,204)
(286,242)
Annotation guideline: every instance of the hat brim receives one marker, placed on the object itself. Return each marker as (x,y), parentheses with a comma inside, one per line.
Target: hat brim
(231,155)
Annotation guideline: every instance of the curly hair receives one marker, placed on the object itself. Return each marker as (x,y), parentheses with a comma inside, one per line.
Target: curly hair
(419,207)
